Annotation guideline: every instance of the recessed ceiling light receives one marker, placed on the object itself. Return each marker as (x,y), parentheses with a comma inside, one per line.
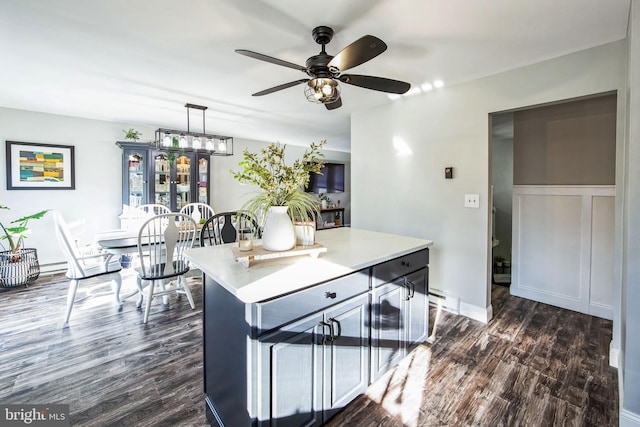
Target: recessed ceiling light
(426,87)
(438,83)
(413,91)
(393,96)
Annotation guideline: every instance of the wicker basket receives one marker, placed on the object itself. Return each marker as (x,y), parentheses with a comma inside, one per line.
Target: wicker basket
(17,269)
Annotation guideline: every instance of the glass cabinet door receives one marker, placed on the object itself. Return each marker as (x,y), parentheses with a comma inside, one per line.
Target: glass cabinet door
(203,179)
(162,180)
(183,182)
(135,178)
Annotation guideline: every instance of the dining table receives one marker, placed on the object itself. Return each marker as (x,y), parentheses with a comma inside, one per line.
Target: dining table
(118,243)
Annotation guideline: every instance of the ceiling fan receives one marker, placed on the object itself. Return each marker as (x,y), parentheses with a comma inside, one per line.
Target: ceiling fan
(325,70)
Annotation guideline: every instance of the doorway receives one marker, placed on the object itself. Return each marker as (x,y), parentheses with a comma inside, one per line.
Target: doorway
(501,196)
(553,193)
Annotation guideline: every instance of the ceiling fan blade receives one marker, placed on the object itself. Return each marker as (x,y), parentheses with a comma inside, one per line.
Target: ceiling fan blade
(376,83)
(270,59)
(335,104)
(358,52)
(280,87)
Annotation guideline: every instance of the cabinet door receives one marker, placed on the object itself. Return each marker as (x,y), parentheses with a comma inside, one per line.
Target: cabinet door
(387,327)
(184,187)
(162,180)
(417,311)
(173,184)
(290,377)
(134,182)
(202,184)
(346,354)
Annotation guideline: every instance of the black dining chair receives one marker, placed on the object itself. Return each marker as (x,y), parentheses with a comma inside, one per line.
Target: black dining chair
(162,242)
(225,227)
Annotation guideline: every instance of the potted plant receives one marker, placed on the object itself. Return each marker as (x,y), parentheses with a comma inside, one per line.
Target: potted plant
(281,199)
(132,134)
(324,200)
(18,266)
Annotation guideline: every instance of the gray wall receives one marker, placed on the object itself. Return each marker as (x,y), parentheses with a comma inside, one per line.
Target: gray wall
(570,143)
(450,127)
(228,194)
(630,292)
(96,202)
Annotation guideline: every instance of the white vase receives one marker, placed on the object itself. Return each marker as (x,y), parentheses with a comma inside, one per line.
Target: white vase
(279,233)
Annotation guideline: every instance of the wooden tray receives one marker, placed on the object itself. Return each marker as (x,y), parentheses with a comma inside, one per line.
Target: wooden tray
(259,253)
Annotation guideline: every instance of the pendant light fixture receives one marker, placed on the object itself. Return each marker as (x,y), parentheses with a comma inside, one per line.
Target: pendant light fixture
(216,145)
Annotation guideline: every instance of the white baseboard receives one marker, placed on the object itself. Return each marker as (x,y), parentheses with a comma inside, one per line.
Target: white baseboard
(476,313)
(445,301)
(614,356)
(626,417)
(629,419)
(453,304)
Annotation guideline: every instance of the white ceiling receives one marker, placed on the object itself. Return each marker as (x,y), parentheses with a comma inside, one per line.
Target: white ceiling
(140,61)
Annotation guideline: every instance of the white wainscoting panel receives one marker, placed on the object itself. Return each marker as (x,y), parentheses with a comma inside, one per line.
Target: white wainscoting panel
(563,246)
(602,237)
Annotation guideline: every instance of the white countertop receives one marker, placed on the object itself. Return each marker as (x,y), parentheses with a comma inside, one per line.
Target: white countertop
(348,250)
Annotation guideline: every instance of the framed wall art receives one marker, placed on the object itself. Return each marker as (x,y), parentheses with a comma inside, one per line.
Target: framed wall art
(32,166)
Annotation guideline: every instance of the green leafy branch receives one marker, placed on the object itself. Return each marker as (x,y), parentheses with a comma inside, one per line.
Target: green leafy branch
(281,183)
(132,134)
(15,235)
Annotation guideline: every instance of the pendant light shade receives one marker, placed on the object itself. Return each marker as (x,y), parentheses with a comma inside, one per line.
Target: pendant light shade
(192,141)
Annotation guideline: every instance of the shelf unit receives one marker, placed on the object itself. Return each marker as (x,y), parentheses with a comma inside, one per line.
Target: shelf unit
(327,218)
(169,178)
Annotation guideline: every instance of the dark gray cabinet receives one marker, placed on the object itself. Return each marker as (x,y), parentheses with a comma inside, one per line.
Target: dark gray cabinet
(399,310)
(297,359)
(416,309)
(169,178)
(399,320)
(345,354)
(290,392)
(387,328)
(314,367)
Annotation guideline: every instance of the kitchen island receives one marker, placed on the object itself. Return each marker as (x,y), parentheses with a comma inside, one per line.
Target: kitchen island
(291,341)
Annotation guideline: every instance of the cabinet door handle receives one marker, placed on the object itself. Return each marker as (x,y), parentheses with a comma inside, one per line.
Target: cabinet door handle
(337,328)
(412,288)
(331,337)
(331,295)
(323,337)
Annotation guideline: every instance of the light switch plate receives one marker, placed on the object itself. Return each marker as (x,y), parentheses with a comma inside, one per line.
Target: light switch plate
(471,200)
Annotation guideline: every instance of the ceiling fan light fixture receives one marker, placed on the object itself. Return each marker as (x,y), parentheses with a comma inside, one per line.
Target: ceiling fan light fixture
(322,90)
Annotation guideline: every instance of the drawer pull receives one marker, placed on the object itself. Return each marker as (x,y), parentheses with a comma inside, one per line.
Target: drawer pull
(405,263)
(331,295)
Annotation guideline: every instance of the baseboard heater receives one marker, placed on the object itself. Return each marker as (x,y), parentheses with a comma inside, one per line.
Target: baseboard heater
(53,268)
(438,298)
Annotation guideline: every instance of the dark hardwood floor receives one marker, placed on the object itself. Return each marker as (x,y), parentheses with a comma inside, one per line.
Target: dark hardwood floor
(532,365)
